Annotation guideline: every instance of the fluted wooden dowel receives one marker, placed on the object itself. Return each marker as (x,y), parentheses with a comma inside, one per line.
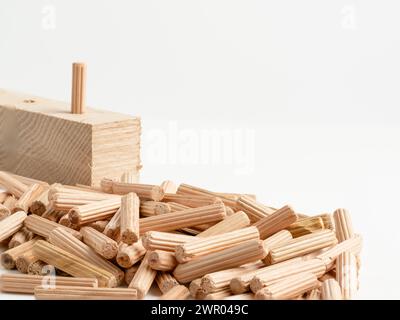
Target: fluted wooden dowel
(78,97)
(278,238)
(98,210)
(43,227)
(162,260)
(11,224)
(183,219)
(12,185)
(203,246)
(130,273)
(234,222)
(8,258)
(330,290)
(343,225)
(189,200)
(130,218)
(143,191)
(20,237)
(155,240)
(28,197)
(72,264)
(270,275)
(302,245)
(84,293)
(24,283)
(288,288)
(152,208)
(277,221)
(346,274)
(99,242)
(143,278)
(40,204)
(128,255)
(113,228)
(64,240)
(306,226)
(165,281)
(176,293)
(238,255)
(255,210)
(168,186)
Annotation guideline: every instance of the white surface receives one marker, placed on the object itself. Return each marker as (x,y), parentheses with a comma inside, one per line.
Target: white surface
(306,91)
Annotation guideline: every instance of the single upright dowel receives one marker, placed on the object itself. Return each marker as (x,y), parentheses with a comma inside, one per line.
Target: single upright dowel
(99,242)
(203,246)
(78,98)
(11,224)
(12,185)
(130,218)
(277,221)
(343,225)
(143,191)
(234,222)
(288,288)
(238,255)
(143,278)
(346,274)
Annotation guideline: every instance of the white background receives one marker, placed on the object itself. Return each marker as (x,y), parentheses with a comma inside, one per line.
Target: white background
(305,94)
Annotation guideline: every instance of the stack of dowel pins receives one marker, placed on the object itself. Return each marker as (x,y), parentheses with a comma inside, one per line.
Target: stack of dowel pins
(115,240)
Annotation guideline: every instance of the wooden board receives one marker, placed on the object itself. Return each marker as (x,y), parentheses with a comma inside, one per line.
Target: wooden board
(41,139)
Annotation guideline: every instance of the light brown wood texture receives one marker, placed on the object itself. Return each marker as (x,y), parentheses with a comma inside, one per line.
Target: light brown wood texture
(39,205)
(78,98)
(9,257)
(233,222)
(165,281)
(238,255)
(11,224)
(8,181)
(302,245)
(182,219)
(72,264)
(176,293)
(4,212)
(306,226)
(20,237)
(168,186)
(203,246)
(155,240)
(130,273)
(99,242)
(68,148)
(94,211)
(255,210)
(288,288)
(37,268)
(152,208)
(330,290)
(28,197)
(143,278)
(143,191)
(343,225)
(113,227)
(128,255)
(162,260)
(192,201)
(66,241)
(43,227)
(346,274)
(99,225)
(270,275)
(84,293)
(277,221)
(130,218)
(23,261)
(278,238)
(23,283)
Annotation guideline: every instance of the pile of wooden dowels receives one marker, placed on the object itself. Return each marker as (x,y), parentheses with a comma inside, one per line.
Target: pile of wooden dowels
(115,240)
